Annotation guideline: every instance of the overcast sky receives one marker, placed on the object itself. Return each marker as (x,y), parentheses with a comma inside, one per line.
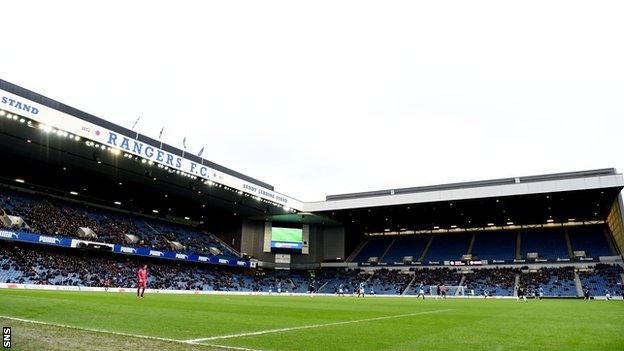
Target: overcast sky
(327,97)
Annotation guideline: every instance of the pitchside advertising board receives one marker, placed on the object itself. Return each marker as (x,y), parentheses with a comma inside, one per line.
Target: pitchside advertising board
(53,118)
(119,249)
(481,262)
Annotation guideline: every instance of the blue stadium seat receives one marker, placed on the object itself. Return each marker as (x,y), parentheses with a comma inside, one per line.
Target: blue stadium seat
(491,246)
(591,239)
(412,245)
(56,217)
(549,244)
(375,247)
(448,247)
(604,277)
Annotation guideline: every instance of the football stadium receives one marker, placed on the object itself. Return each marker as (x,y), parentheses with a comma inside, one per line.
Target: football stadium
(226,262)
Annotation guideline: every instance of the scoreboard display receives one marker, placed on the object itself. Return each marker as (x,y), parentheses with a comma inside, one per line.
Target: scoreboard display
(286,239)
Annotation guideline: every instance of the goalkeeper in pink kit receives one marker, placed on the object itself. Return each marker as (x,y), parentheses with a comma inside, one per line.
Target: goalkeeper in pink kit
(142,275)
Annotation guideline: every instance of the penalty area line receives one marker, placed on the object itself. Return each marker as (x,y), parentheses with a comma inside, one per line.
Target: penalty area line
(311,326)
(123,334)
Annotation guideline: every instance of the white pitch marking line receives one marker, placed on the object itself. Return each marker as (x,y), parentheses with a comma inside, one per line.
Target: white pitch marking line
(227,347)
(270,331)
(122,334)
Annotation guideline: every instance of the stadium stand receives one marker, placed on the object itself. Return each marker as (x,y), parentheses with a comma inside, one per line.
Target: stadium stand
(556,282)
(491,246)
(332,279)
(604,277)
(549,244)
(33,264)
(55,217)
(496,281)
(468,216)
(448,247)
(403,246)
(375,247)
(590,239)
(51,216)
(40,265)
(385,281)
(433,276)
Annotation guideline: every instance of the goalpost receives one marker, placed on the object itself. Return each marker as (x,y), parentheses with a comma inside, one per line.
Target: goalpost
(451,290)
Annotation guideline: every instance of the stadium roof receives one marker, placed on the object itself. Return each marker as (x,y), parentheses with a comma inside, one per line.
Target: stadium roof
(549,183)
(475,184)
(505,204)
(60,165)
(53,104)
(57,146)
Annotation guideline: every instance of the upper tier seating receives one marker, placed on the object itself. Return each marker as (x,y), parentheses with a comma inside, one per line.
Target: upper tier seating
(375,247)
(590,239)
(55,217)
(548,244)
(448,247)
(410,245)
(495,246)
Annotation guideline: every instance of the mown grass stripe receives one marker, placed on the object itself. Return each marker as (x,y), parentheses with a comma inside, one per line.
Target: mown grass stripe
(121,334)
(310,326)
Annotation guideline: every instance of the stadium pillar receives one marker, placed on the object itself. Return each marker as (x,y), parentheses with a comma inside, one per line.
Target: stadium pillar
(615,221)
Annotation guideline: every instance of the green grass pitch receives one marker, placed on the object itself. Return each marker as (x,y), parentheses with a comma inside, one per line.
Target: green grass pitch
(113,321)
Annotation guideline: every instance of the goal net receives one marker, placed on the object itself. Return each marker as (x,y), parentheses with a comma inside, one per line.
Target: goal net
(451,290)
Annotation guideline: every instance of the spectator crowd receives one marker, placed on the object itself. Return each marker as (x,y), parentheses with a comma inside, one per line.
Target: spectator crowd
(54,217)
(60,266)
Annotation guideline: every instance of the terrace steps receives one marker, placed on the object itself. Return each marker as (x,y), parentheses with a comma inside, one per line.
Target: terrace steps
(461,282)
(516,284)
(408,287)
(217,239)
(357,250)
(151,228)
(386,251)
(426,250)
(471,245)
(579,285)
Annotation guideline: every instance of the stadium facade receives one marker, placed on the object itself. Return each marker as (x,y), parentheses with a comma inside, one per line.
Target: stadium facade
(57,153)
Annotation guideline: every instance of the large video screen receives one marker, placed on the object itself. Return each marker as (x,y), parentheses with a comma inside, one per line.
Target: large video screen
(286,238)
